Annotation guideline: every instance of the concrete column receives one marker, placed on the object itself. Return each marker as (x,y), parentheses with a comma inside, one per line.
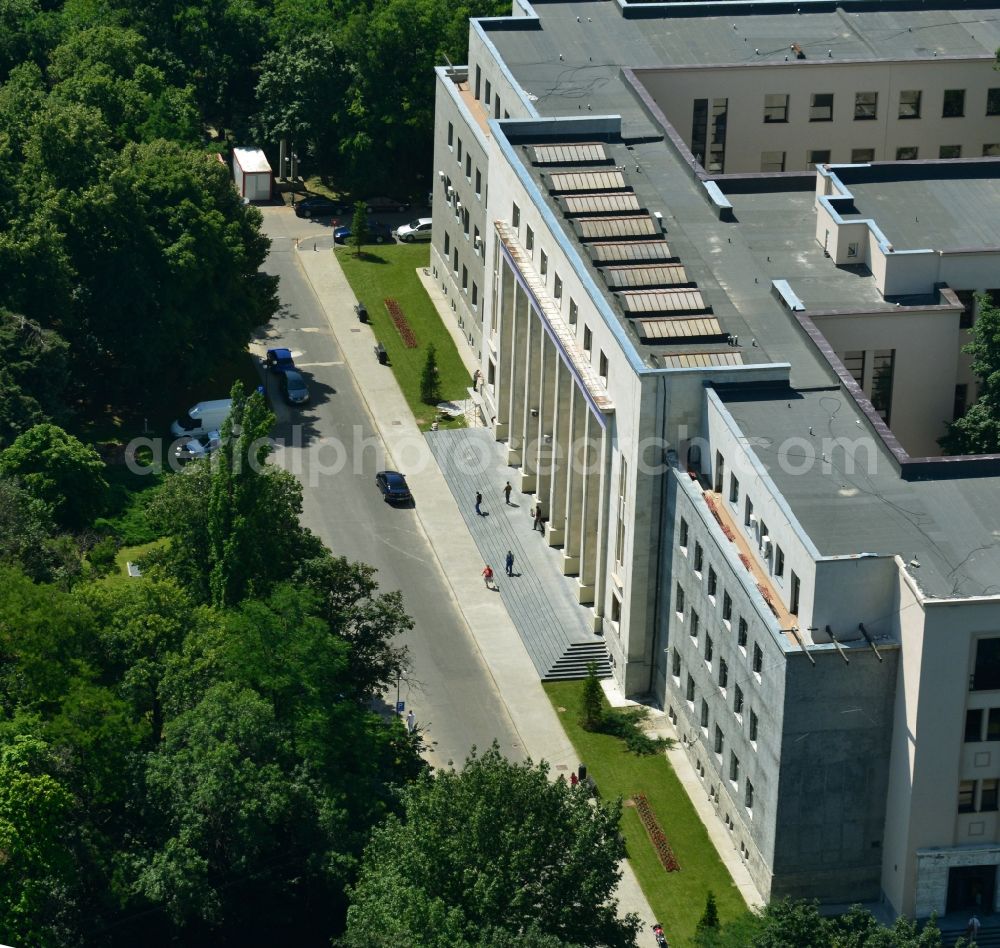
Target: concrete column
(504,316)
(532,400)
(518,373)
(574,481)
(590,492)
(560,452)
(605,528)
(546,422)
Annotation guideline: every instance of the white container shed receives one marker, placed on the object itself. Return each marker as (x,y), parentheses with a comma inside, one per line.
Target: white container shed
(252,174)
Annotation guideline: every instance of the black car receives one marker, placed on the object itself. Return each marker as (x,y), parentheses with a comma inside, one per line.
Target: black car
(319,207)
(393,486)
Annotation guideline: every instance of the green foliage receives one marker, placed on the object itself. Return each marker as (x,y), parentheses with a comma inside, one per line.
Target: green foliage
(708,924)
(359,228)
(430,388)
(60,471)
(497,847)
(978,430)
(28,537)
(593,700)
(102,555)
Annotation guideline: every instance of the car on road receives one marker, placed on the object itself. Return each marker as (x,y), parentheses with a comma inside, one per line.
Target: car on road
(393,486)
(319,206)
(378,233)
(420,229)
(191,449)
(381,205)
(294,388)
(279,360)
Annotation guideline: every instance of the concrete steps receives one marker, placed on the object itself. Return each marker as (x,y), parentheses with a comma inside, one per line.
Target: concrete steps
(988,937)
(572,664)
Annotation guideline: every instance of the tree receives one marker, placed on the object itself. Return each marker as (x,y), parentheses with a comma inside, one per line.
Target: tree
(708,925)
(359,228)
(497,847)
(60,471)
(430,387)
(27,536)
(592,701)
(978,430)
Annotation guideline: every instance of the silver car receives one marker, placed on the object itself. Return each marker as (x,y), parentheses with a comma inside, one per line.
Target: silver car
(420,229)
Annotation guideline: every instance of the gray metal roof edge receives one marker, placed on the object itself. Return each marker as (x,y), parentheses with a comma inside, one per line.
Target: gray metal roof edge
(960,601)
(780,369)
(477,25)
(805,63)
(745,577)
(763,474)
(728,7)
(459,103)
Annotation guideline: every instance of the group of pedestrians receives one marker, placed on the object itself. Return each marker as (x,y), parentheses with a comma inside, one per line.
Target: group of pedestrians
(538,524)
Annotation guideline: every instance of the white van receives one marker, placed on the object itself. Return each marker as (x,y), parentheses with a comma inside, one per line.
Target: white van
(203,418)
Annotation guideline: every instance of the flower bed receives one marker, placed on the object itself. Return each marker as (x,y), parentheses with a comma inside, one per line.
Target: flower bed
(656,835)
(401,322)
(726,529)
(745,560)
(766,593)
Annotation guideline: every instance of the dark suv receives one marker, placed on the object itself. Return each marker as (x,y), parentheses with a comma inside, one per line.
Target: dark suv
(319,207)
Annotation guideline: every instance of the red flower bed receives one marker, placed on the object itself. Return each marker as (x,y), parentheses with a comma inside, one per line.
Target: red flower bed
(766,593)
(745,560)
(660,842)
(402,323)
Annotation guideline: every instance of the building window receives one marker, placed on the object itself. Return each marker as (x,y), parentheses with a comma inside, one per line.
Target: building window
(699,558)
(988,795)
(451,135)
(737,700)
(720,741)
(772,161)
(967,796)
(993,725)
(695,623)
(734,767)
(690,689)
(573,311)
(515,217)
(496,106)
(954,103)
(748,796)
(993,101)
(529,240)
(909,104)
(588,339)
(734,489)
(682,535)
(723,673)
(475,296)
(748,512)
(793,605)
(950,151)
(622,511)
(543,266)
(861,156)
(854,362)
(907,153)
(602,369)
(758,658)
(865,106)
(883,370)
(821,107)
(447,243)
(968,300)
(775,107)
(676,664)
(753,726)
(454,261)
(479,183)
(616,609)
(465,222)
(557,287)
(720,472)
(709,648)
(489,92)
(741,633)
(465,279)
(468,166)
(991,151)
(479,80)
(817,157)
(713,581)
(973,725)
(679,600)
(727,606)
(458,156)
(779,561)
(704,714)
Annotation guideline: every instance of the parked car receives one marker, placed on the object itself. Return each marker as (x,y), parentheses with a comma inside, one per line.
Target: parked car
(294,388)
(380,205)
(319,206)
(191,449)
(279,360)
(420,229)
(393,486)
(378,233)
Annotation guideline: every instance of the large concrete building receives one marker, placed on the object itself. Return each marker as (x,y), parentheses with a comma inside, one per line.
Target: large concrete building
(719,317)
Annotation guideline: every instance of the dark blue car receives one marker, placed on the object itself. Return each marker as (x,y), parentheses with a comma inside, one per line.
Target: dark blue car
(393,486)
(279,360)
(378,233)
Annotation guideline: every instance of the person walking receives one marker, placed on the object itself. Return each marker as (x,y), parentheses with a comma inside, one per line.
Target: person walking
(411,722)
(488,576)
(479,503)
(510,563)
(972,929)
(506,493)
(539,523)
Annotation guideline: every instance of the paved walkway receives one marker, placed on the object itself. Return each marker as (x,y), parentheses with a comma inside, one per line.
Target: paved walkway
(539,599)
(496,636)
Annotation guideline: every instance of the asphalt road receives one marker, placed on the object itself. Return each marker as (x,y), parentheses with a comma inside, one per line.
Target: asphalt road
(448,685)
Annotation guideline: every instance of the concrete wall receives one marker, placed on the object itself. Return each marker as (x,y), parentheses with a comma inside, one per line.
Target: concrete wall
(747,135)
(925,373)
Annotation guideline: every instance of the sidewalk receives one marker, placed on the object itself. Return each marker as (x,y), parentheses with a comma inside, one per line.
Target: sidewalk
(494,633)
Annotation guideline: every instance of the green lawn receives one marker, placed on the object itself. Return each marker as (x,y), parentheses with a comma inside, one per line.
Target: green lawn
(390,271)
(677,898)
(127,553)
